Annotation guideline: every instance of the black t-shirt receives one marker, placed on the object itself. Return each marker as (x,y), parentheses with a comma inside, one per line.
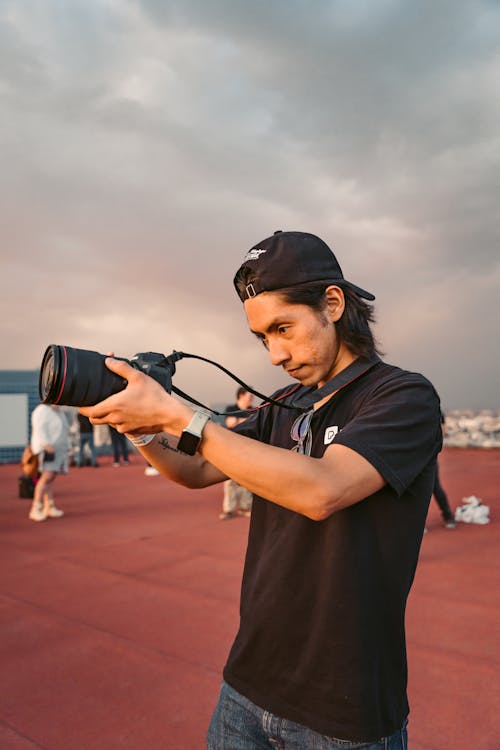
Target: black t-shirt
(321,639)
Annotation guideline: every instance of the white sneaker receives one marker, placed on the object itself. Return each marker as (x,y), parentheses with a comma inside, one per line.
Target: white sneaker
(37,513)
(52,512)
(150,471)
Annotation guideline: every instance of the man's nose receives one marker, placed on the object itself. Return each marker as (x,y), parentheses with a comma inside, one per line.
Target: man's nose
(278,353)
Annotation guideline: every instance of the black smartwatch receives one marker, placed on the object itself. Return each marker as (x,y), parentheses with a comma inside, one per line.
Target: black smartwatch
(191,435)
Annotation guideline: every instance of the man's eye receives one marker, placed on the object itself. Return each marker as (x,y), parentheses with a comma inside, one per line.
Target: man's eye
(282,329)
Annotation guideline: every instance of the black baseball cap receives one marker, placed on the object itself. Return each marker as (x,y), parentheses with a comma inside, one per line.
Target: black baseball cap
(289,259)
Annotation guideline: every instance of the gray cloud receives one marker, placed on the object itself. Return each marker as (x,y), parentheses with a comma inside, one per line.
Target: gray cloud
(145,146)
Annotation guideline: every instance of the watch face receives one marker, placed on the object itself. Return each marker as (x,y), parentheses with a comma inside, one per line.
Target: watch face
(191,436)
(188,443)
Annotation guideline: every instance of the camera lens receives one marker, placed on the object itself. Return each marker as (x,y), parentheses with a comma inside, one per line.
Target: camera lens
(76,377)
(49,382)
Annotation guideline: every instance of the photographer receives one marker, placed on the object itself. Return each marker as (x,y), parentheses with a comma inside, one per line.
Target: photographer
(340,492)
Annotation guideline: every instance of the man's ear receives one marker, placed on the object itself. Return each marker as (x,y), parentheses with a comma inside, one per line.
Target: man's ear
(335,303)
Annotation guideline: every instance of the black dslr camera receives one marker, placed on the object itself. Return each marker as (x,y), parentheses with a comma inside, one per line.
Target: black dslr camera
(77,377)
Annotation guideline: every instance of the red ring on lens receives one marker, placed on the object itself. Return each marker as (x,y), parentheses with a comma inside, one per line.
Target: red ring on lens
(64,375)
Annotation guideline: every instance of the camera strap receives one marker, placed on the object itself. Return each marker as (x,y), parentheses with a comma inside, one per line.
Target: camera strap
(348,375)
(175,356)
(303,402)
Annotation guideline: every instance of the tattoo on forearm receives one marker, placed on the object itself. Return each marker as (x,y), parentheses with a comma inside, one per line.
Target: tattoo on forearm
(163,442)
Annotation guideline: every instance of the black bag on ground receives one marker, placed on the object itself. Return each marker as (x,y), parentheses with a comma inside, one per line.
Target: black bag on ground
(26,487)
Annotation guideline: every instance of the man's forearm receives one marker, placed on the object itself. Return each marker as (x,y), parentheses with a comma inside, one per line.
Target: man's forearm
(190,471)
(311,486)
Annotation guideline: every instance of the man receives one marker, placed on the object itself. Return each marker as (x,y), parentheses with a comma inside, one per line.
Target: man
(341,489)
(440,495)
(50,441)
(237,500)
(120,448)
(86,438)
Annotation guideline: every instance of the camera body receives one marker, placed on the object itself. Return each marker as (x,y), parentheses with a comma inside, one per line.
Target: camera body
(156,366)
(79,377)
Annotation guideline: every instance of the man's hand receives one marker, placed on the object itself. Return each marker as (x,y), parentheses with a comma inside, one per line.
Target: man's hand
(142,407)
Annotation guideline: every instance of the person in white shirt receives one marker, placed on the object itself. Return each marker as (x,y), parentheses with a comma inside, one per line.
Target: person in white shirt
(50,441)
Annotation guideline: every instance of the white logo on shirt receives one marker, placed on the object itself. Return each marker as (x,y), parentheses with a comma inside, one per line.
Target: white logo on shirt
(330,433)
(253,254)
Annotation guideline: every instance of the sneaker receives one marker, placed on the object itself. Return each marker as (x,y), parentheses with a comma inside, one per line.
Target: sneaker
(37,513)
(225,516)
(52,512)
(150,471)
(450,525)
(244,512)
(116,464)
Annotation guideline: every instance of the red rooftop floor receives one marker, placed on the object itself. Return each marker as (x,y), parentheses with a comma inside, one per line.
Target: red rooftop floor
(115,620)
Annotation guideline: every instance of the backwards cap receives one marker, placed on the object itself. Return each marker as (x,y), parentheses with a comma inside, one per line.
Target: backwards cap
(290,259)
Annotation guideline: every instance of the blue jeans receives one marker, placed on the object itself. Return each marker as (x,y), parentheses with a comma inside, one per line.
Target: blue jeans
(238,724)
(120,445)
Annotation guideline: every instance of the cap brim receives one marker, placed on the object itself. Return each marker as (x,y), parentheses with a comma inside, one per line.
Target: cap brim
(358,290)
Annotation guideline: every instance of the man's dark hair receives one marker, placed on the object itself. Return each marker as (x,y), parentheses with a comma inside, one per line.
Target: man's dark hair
(353,328)
(241,392)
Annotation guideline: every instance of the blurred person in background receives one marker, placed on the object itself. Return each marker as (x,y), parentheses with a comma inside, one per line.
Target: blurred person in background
(440,495)
(237,500)
(50,441)
(120,447)
(86,439)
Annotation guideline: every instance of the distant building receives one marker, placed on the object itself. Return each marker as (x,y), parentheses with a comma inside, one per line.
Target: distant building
(18,398)
(473,429)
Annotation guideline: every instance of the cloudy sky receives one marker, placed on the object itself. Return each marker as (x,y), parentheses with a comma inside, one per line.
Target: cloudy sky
(145,146)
